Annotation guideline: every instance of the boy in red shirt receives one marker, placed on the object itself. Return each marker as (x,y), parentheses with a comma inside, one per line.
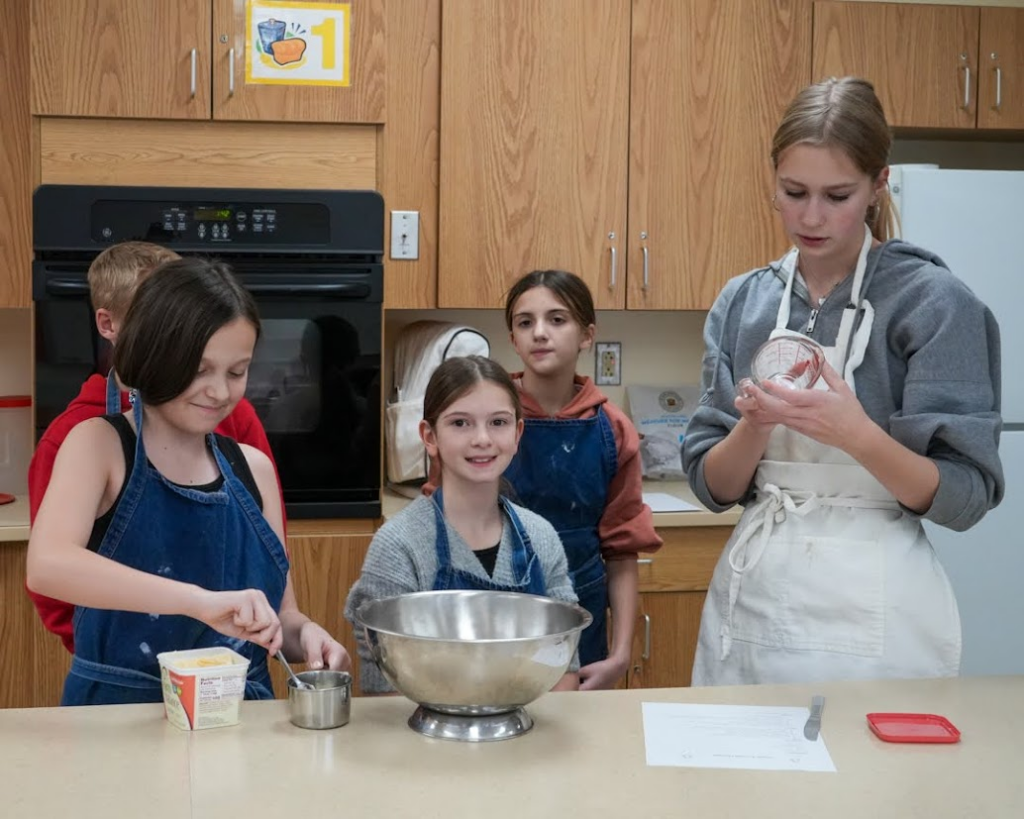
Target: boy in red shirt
(113,277)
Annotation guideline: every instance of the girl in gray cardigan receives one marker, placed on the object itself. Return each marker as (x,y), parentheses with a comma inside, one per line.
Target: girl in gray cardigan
(466,536)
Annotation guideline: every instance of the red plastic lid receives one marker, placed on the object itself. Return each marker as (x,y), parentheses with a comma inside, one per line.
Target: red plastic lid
(913,728)
(9,401)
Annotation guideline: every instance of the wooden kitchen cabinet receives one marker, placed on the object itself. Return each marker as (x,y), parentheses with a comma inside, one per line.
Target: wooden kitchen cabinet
(15,160)
(362,101)
(709,81)
(324,567)
(962,67)
(534,130)
(186,60)
(673,585)
(624,141)
(34,662)
(121,58)
(1001,69)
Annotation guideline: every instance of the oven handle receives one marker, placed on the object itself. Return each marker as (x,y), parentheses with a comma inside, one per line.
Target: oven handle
(348,290)
(353,290)
(67,287)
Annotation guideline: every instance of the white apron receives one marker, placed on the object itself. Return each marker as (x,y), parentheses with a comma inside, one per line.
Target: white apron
(824,577)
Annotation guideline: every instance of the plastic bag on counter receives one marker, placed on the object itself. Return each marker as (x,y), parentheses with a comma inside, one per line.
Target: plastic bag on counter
(661,415)
(419,350)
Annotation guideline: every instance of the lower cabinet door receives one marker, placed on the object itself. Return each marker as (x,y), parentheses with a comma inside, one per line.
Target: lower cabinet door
(665,639)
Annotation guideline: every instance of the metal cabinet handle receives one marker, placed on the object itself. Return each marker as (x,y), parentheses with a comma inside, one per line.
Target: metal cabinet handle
(644,561)
(647,638)
(231,72)
(967,87)
(192,83)
(647,260)
(999,88)
(615,262)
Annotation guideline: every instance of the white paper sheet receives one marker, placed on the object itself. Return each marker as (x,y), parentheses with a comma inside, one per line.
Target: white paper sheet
(664,502)
(732,736)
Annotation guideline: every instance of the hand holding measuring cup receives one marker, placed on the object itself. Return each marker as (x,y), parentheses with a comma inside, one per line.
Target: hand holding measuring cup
(792,362)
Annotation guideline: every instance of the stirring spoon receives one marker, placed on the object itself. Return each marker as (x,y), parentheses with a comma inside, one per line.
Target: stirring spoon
(298,683)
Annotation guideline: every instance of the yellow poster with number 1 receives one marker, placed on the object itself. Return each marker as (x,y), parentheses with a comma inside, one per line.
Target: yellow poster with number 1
(291,43)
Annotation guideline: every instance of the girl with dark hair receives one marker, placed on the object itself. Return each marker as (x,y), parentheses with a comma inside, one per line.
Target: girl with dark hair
(829,573)
(164,535)
(466,536)
(578,464)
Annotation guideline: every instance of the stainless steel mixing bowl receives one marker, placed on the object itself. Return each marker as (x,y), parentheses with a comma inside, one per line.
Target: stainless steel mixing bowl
(472,653)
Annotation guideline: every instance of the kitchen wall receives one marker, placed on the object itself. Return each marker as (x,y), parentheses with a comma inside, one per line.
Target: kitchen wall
(658,348)
(15,352)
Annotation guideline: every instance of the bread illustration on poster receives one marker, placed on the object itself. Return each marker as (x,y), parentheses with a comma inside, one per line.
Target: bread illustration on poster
(280,42)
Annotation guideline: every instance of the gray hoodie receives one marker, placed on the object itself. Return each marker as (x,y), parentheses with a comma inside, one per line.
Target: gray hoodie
(930,375)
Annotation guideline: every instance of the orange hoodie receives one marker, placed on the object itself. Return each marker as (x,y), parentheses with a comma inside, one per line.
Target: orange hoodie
(627,525)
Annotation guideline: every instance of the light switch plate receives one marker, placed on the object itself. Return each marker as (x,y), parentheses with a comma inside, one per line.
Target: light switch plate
(405,234)
(608,364)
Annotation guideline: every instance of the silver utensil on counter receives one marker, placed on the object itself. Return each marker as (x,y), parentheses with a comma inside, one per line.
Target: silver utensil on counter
(813,724)
(298,683)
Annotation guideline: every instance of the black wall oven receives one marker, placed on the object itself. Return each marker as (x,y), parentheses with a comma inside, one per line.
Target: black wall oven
(313,262)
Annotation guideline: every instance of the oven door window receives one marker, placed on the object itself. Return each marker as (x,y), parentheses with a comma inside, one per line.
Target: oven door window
(315,384)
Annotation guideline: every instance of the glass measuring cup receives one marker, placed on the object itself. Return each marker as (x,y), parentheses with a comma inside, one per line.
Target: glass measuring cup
(789,361)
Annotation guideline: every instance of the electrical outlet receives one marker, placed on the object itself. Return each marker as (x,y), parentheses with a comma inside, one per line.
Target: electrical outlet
(405,234)
(608,363)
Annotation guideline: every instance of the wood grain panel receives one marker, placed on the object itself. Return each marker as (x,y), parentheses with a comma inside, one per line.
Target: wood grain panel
(323,571)
(920,79)
(673,621)
(15,158)
(686,561)
(223,154)
(1002,47)
(534,129)
(363,100)
(120,58)
(34,662)
(709,82)
(408,146)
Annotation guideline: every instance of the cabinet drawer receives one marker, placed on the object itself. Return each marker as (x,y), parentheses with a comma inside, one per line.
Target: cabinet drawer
(686,561)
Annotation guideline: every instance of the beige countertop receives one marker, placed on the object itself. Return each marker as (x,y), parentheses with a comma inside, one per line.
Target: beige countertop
(584,757)
(14,520)
(14,516)
(393,503)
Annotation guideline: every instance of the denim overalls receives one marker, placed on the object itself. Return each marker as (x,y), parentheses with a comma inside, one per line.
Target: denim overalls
(561,472)
(526,568)
(217,540)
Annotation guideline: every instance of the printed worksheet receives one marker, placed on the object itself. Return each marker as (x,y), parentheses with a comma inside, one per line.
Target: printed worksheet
(732,736)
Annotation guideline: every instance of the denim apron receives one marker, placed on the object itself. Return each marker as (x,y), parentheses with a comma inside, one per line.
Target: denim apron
(113,394)
(562,472)
(526,568)
(217,540)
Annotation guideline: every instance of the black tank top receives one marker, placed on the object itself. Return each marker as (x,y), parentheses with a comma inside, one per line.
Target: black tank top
(229,449)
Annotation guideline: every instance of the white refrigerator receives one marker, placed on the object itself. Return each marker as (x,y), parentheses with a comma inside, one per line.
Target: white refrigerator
(974,220)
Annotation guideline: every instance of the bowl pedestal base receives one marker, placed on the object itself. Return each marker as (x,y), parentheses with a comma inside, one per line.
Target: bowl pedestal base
(471,728)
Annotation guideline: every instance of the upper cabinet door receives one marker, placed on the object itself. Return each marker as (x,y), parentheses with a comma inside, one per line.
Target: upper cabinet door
(1001,69)
(534,129)
(922,60)
(121,58)
(287,67)
(710,81)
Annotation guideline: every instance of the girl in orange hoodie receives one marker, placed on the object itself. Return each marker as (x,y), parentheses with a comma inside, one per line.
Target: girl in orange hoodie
(578,464)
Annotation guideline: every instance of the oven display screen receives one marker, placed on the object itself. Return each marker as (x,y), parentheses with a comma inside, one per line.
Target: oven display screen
(211,214)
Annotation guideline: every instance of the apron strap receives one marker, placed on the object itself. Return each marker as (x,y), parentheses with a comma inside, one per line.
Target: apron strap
(113,394)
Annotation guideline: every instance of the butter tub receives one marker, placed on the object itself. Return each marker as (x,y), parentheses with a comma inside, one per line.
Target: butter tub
(203,687)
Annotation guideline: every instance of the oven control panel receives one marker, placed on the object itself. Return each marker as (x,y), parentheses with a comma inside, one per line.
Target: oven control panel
(211,223)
